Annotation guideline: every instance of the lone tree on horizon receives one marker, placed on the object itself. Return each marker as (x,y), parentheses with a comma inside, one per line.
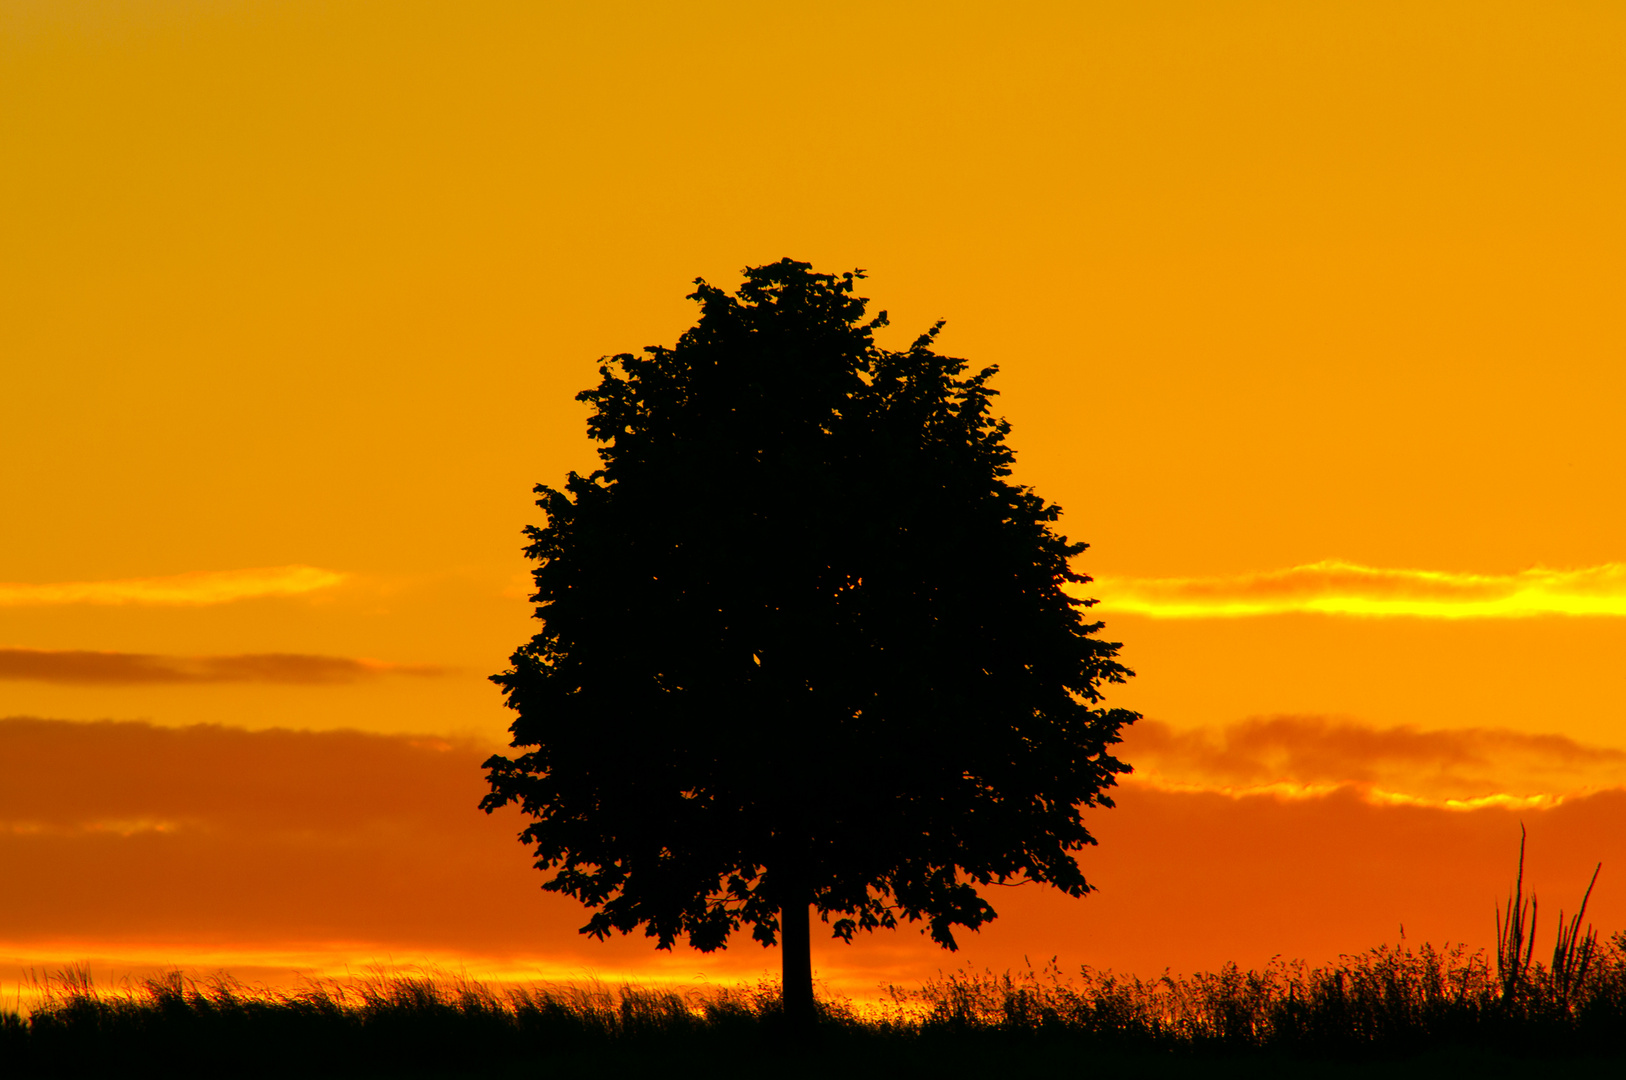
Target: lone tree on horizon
(804,645)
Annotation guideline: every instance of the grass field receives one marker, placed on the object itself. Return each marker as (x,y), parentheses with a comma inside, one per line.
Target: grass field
(1400,1009)
(1395,1010)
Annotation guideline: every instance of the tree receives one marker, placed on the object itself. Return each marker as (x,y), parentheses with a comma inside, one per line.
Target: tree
(804,644)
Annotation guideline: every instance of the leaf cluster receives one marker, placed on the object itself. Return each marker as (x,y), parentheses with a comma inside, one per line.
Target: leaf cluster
(800,629)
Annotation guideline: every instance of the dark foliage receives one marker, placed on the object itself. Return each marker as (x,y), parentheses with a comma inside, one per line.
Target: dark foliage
(803,642)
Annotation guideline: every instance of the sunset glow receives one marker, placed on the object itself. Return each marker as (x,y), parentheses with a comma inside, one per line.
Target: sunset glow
(1306,316)
(293,851)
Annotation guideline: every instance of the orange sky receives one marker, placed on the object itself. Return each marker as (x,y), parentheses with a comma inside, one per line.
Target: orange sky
(1307,315)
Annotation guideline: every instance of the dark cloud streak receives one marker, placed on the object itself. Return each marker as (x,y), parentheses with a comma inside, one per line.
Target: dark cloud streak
(77,667)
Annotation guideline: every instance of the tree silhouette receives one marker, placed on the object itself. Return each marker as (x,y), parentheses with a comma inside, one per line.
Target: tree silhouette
(803,643)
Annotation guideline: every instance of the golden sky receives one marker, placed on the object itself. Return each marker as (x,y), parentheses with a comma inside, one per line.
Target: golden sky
(1308,315)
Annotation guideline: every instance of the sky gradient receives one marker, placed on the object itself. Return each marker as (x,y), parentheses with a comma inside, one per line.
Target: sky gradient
(1308,317)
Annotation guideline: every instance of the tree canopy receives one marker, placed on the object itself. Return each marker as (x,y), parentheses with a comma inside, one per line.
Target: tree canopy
(803,641)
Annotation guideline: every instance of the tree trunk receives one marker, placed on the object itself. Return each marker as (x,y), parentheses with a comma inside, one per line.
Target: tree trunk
(795,946)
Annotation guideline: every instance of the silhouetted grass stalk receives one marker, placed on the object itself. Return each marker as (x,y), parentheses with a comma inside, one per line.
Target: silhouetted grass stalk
(1516,937)
(1574,952)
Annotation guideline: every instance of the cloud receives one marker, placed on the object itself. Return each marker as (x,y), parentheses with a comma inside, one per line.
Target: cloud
(1310,756)
(84,668)
(1332,587)
(213,845)
(121,831)
(128,777)
(199,587)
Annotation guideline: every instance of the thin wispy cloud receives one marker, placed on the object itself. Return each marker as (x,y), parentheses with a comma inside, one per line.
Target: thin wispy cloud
(85,668)
(1311,756)
(196,588)
(1334,587)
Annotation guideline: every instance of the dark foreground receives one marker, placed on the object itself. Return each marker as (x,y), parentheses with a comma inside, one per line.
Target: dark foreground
(1398,1012)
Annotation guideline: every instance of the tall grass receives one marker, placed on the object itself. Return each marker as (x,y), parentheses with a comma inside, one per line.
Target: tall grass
(1385,1001)
(386,1023)
(1389,1003)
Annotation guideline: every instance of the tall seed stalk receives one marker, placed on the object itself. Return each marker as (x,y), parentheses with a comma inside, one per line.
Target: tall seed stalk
(1573,953)
(1516,937)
